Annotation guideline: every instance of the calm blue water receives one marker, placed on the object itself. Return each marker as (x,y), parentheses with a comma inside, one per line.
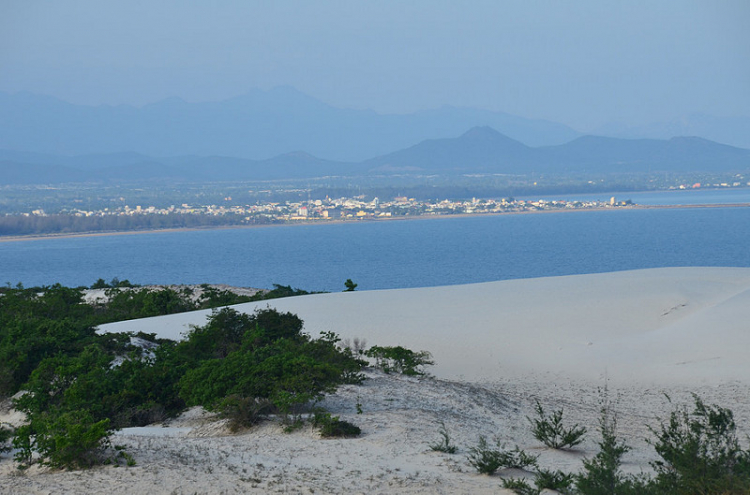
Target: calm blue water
(394,254)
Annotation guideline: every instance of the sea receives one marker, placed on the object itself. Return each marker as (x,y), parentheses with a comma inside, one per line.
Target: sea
(420,252)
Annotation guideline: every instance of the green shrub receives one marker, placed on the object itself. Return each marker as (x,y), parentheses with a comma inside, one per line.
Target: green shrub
(6,435)
(67,440)
(483,458)
(487,460)
(549,429)
(519,486)
(601,475)
(333,427)
(400,360)
(700,453)
(554,480)
(444,444)
(244,412)
(264,355)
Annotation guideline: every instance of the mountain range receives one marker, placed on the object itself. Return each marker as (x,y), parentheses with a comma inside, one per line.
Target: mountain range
(258,125)
(481,150)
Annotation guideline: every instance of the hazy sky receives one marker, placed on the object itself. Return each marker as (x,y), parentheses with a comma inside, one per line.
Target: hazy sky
(582,63)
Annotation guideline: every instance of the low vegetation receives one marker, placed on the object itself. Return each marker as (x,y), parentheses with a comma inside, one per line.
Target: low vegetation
(398,359)
(444,444)
(550,430)
(699,454)
(80,386)
(487,460)
(334,427)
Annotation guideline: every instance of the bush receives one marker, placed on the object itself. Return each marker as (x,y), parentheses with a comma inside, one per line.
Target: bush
(487,460)
(554,480)
(264,355)
(400,360)
(244,412)
(549,430)
(519,486)
(6,435)
(333,427)
(601,475)
(66,440)
(483,458)
(700,453)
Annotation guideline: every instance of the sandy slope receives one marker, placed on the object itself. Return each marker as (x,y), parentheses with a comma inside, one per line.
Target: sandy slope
(498,346)
(673,325)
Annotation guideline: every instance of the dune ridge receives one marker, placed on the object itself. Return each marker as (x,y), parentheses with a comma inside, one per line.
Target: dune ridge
(662,326)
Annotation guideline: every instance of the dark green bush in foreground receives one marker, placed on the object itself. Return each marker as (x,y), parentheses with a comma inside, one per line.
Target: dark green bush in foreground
(601,475)
(700,453)
(82,386)
(264,355)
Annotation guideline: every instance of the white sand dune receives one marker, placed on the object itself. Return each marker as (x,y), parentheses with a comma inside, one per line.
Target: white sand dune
(662,326)
(498,346)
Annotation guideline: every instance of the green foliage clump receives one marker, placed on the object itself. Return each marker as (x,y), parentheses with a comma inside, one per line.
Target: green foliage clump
(557,480)
(81,386)
(487,460)
(334,427)
(6,435)
(550,430)
(279,291)
(39,323)
(114,283)
(554,480)
(264,355)
(400,360)
(244,412)
(131,303)
(601,475)
(70,440)
(519,486)
(700,453)
(350,286)
(444,444)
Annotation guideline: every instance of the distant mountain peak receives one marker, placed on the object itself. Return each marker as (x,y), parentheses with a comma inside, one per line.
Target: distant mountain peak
(302,155)
(482,131)
(487,134)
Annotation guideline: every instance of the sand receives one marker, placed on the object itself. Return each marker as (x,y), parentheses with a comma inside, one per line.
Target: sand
(500,346)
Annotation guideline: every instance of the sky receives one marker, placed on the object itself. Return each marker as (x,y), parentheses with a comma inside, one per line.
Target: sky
(582,63)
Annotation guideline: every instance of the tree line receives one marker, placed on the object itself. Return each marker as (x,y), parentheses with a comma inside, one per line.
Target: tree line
(17,225)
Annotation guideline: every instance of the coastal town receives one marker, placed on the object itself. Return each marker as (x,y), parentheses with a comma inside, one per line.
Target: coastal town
(356,208)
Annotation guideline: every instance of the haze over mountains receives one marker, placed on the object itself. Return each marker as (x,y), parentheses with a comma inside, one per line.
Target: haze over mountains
(254,137)
(258,125)
(481,150)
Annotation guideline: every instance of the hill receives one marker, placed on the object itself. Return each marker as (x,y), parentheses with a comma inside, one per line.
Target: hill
(484,150)
(257,125)
(481,150)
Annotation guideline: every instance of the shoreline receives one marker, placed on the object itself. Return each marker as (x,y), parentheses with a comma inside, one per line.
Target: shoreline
(72,235)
